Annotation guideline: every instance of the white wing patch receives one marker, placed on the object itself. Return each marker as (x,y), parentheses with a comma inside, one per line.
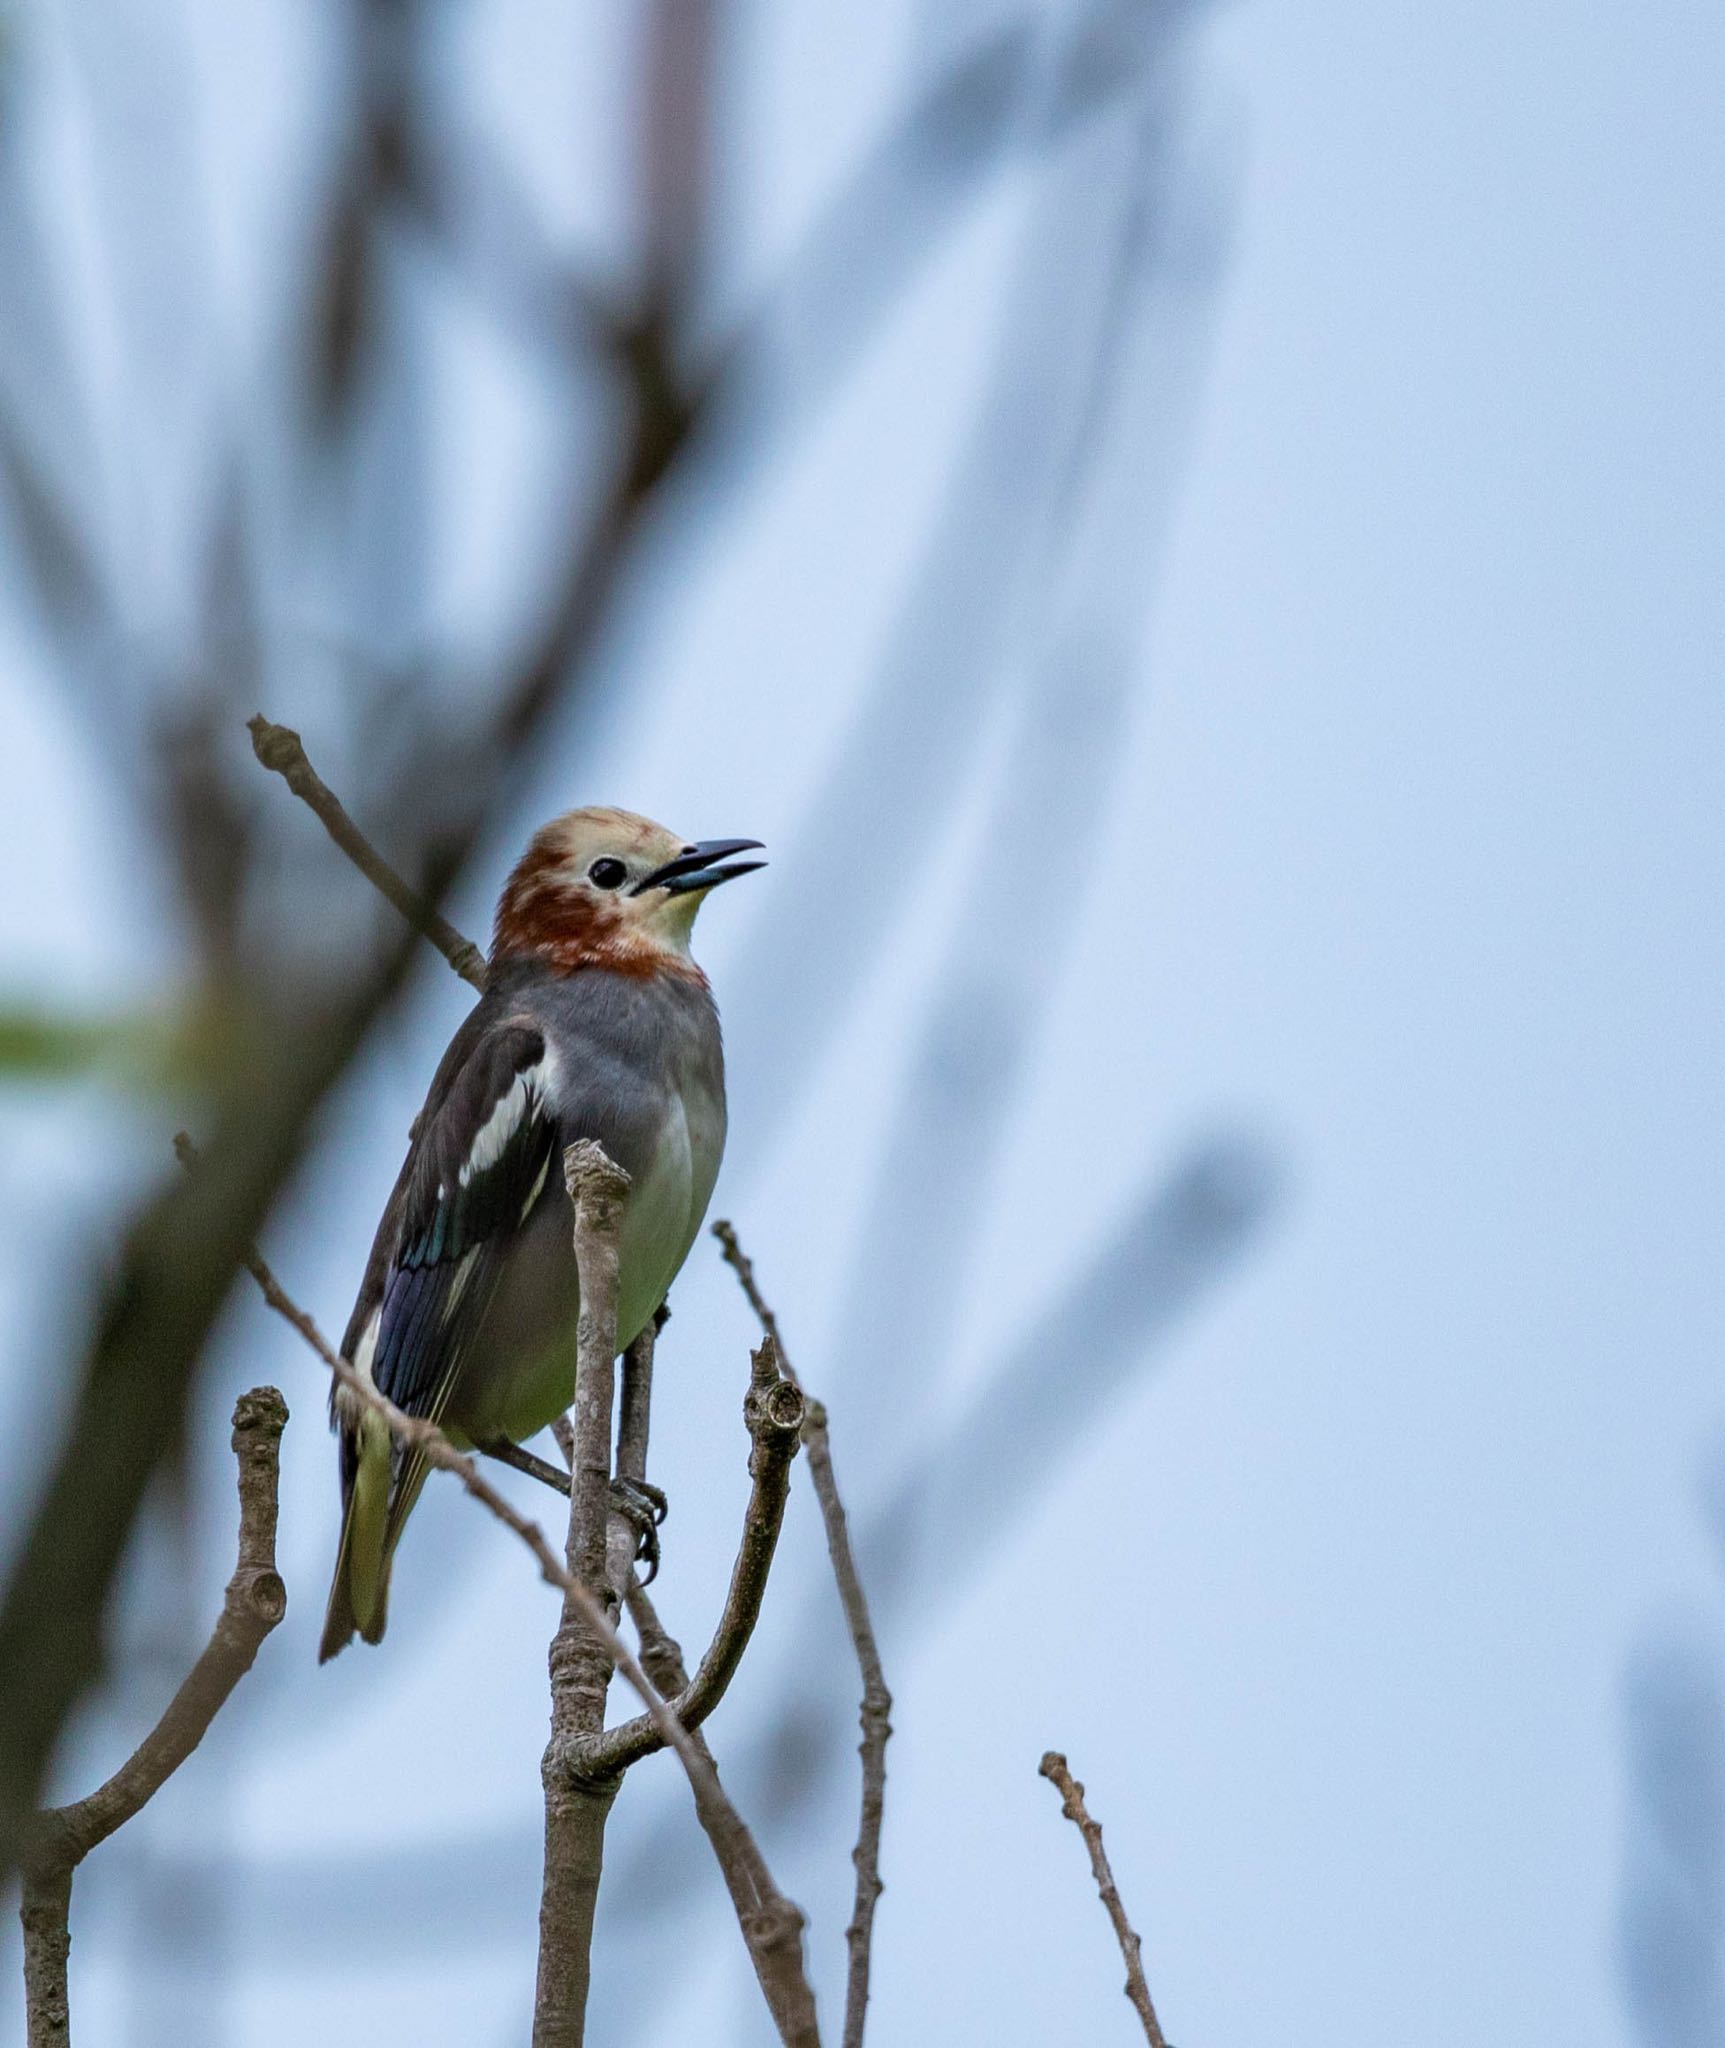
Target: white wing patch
(530,1088)
(498,1128)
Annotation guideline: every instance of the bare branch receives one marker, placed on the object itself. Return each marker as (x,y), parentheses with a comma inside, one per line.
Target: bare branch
(58,1839)
(774,1411)
(876,1718)
(1058,1772)
(46,1912)
(772,1925)
(577,1805)
(876,1714)
(280,749)
(597,1188)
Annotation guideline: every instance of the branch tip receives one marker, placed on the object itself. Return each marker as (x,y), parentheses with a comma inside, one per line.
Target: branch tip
(278,747)
(594,1180)
(261,1409)
(1055,1768)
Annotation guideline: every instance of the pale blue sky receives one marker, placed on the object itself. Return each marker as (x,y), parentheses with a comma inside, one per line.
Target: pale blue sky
(1405,858)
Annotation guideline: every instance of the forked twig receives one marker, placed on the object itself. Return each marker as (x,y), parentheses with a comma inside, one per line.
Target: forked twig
(1058,1772)
(773,1411)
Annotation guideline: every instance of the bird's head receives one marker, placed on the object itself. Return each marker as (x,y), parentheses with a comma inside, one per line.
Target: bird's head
(604,888)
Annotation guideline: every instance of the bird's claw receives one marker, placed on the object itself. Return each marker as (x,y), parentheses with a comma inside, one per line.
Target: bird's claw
(644,1507)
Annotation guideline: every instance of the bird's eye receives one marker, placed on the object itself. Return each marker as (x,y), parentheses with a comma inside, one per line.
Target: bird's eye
(607,873)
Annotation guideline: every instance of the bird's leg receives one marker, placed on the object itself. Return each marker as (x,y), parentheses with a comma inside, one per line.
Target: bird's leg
(541,1469)
(636,1500)
(640,1505)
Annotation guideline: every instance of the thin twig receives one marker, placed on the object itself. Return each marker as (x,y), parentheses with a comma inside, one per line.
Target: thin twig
(280,749)
(743,1266)
(1058,1772)
(59,1838)
(597,1188)
(876,1719)
(876,1713)
(772,1925)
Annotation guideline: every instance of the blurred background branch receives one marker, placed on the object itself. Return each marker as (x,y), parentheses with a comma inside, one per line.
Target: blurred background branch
(1672,1907)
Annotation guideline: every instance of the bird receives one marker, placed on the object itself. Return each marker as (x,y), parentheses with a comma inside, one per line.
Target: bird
(595,1023)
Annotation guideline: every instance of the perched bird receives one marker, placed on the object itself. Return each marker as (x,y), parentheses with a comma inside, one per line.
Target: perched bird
(595,1023)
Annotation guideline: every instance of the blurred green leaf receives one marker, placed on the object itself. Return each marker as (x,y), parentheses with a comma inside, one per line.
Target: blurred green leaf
(34,1044)
(139,1047)
(165,1049)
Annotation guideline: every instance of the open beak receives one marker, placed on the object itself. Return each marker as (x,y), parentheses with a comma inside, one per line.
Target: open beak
(703,866)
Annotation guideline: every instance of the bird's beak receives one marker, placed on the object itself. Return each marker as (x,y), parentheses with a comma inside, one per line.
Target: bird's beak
(694,868)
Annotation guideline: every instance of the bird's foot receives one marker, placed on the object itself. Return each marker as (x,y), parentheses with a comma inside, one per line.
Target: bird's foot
(644,1507)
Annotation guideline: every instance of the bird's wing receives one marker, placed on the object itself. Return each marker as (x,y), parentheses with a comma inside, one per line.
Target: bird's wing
(480,1161)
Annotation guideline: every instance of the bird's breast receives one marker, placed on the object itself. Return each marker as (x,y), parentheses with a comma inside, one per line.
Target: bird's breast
(666,1205)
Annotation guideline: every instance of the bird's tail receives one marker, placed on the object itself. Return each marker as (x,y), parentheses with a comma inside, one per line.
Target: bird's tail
(370,1524)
